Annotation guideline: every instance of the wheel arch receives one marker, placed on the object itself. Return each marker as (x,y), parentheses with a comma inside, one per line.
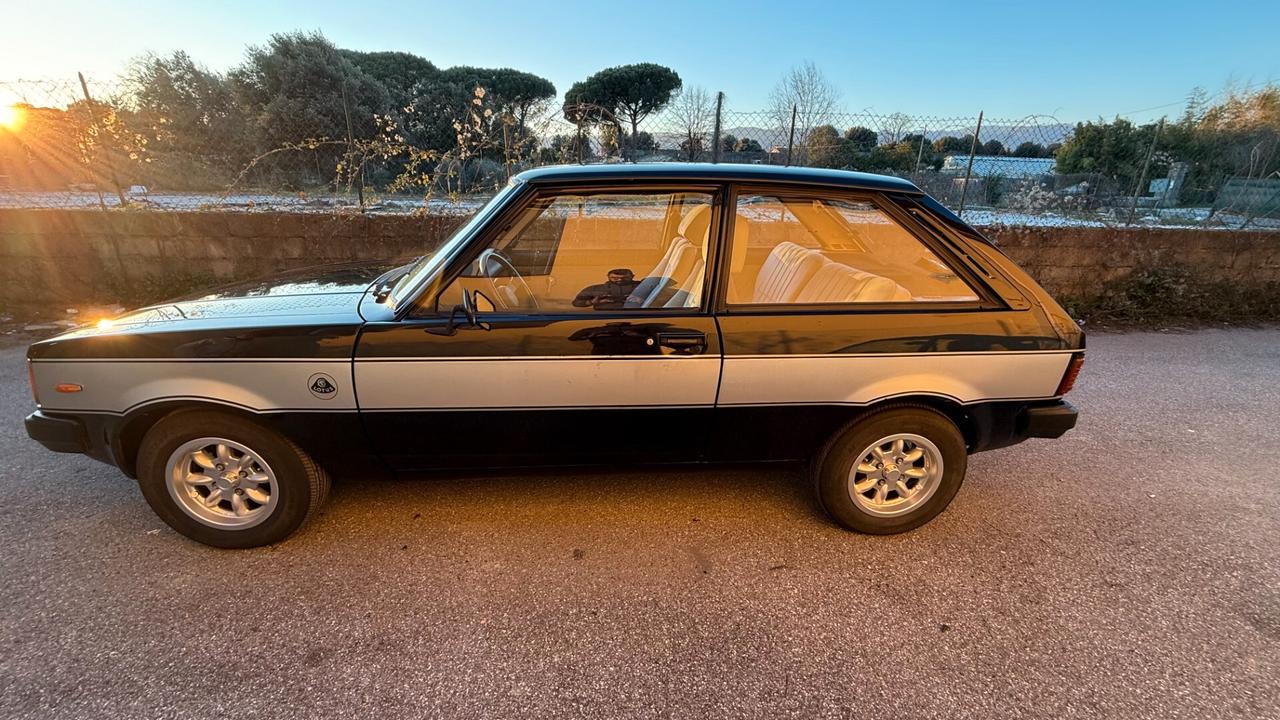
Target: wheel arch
(958,413)
(335,440)
(133,427)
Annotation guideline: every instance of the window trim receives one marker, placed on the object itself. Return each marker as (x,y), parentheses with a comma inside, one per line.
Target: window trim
(986,299)
(971,248)
(427,304)
(952,255)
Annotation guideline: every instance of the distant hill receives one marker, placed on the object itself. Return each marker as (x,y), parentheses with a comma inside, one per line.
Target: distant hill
(1010,135)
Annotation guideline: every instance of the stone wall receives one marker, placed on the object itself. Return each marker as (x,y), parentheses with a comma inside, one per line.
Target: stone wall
(68,257)
(85,256)
(1078,262)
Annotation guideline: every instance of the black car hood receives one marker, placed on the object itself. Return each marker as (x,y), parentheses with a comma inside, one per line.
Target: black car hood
(306,312)
(343,279)
(325,293)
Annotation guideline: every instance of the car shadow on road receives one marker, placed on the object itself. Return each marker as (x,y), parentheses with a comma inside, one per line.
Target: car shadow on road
(577,494)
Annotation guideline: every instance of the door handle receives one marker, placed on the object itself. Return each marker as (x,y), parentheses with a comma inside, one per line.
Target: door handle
(683,342)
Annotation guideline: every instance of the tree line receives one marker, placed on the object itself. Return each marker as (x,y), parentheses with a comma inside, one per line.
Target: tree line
(1238,136)
(301,92)
(864,149)
(297,113)
(300,113)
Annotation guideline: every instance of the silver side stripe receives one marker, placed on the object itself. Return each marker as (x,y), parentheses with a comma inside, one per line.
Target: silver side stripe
(505,383)
(949,354)
(833,379)
(776,356)
(566,358)
(881,399)
(259,361)
(534,383)
(260,386)
(540,358)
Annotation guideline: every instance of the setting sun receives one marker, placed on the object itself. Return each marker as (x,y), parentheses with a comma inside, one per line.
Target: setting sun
(12,117)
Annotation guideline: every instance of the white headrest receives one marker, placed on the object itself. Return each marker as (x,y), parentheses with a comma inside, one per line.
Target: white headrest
(696,224)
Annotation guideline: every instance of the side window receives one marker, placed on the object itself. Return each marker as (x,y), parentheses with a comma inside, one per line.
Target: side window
(792,250)
(606,251)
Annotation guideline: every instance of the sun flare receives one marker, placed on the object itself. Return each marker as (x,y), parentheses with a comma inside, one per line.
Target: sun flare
(12,117)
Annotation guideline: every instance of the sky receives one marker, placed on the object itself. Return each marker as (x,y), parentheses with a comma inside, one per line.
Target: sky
(1074,60)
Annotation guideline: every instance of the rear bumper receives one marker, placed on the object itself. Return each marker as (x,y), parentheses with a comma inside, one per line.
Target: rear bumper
(1002,424)
(59,434)
(1047,421)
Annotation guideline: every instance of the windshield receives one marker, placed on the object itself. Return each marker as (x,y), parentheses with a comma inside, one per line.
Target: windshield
(424,266)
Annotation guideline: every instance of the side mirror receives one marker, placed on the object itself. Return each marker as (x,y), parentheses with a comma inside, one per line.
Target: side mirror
(467,308)
(472,300)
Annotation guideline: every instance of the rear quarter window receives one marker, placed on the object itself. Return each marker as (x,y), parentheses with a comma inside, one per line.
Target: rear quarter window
(819,250)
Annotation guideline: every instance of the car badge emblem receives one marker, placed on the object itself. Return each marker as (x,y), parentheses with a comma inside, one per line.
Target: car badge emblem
(323,386)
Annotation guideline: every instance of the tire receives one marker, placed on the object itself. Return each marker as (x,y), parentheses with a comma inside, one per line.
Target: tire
(919,428)
(249,511)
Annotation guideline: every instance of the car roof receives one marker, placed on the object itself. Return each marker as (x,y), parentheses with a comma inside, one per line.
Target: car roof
(716,172)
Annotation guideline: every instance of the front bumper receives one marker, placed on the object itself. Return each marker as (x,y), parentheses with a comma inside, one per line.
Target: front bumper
(59,434)
(1047,421)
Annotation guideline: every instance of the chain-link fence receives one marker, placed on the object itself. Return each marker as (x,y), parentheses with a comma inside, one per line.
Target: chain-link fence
(75,144)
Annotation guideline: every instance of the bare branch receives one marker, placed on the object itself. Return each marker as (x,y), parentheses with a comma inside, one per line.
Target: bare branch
(694,115)
(808,90)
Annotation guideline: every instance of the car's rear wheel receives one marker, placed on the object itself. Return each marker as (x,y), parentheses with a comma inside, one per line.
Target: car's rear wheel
(227,481)
(892,470)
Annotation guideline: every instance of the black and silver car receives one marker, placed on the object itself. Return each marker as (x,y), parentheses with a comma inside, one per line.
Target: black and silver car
(623,314)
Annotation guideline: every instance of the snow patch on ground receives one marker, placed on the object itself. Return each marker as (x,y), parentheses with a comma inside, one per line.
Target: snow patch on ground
(468,204)
(243,202)
(1165,218)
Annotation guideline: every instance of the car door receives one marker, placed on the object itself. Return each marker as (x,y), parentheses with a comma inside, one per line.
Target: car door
(592,341)
(835,299)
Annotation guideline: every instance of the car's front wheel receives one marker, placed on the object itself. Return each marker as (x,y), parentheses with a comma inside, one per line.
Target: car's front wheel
(227,481)
(892,470)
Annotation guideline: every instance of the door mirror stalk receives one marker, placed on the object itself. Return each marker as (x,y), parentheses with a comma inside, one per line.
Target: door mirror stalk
(467,308)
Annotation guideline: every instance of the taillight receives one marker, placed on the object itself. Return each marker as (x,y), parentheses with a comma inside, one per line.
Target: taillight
(1069,377)
(31,378)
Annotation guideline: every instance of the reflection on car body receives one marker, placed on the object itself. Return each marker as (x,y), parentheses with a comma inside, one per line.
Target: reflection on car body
(612,294)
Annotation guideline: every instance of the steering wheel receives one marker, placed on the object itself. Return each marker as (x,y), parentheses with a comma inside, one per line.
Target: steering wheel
(513,291)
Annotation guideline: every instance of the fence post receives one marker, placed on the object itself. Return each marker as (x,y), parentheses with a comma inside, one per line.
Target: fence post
(1142,176)
(920,152)
(791,140)
(715,135)
(968,171)
(351,155)
(106,154)
(506,148)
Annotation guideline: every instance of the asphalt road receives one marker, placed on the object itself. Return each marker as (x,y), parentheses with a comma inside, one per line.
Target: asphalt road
(1131,569)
